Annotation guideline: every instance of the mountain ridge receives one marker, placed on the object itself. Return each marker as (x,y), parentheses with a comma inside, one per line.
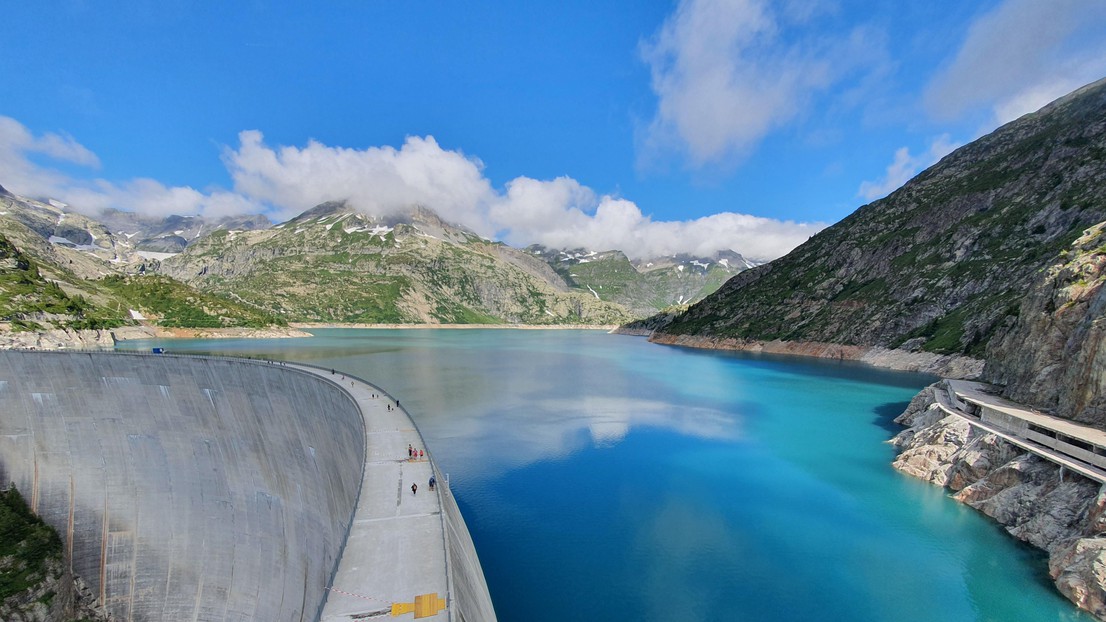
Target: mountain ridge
(941,264)
(191,250)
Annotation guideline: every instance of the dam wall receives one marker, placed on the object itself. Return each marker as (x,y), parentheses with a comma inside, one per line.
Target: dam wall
(468,588)
(186,488)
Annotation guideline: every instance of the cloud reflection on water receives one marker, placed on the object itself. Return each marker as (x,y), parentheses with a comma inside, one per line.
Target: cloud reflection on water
(525,432)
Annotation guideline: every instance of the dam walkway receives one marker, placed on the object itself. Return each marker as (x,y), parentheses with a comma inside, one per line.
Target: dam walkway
(1074,447)
(396,561)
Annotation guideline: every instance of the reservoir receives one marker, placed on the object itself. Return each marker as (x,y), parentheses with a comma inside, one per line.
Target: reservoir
(606,478)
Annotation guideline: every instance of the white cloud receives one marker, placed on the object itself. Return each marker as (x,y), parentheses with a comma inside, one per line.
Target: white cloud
(727,72)
(377,180)
(23,176)
(152,198)
(1020,56)
(560,213)
(285,181)
(904,166)
(557,213)
(14,138)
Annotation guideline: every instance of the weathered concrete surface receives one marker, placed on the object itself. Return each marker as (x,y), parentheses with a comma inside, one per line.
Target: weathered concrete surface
(186,488)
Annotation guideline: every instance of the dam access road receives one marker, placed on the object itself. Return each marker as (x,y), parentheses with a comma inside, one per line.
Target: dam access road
(209,488)
(396,558)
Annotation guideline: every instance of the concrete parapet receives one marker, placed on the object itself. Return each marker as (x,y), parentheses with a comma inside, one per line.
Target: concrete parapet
(468,588)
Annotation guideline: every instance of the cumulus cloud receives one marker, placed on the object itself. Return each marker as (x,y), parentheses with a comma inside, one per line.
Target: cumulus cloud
(21,175)
(727,72)
(152,198)
(283,181)
(378,180)
(561,213)
(557,213)
(904,166)
(1020,56)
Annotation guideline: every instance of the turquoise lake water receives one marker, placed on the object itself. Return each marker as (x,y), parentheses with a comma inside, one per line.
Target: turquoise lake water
(606,478)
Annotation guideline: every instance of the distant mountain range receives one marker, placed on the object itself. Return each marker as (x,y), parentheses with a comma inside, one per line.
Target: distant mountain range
(334,264)
(643,286)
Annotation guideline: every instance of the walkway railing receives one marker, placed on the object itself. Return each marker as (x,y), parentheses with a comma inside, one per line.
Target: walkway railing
(1056,455)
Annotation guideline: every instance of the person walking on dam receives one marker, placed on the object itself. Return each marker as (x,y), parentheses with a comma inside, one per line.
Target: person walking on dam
(414,489)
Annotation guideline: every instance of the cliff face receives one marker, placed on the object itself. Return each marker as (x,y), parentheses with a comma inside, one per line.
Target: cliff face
(1053,355)
(942,263)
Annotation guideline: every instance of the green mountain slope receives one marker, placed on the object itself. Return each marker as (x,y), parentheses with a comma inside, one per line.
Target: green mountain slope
(644,287)
(942,263)
(332,264)
(88,279)
(29,302)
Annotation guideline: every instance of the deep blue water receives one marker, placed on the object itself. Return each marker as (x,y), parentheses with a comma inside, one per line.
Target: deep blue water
(606,478)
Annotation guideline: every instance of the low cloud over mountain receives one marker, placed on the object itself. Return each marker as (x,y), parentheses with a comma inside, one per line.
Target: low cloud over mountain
(282,181)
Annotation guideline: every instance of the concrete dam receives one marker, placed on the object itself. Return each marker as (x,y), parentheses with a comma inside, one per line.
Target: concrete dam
(195,488)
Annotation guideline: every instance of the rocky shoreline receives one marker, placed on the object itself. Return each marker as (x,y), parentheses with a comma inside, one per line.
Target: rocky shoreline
(1062,514)
(944,365)
(606,327)
(60,339)
(68,339)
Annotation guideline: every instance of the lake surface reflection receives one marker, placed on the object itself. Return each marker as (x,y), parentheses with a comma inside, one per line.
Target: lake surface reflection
(606,478)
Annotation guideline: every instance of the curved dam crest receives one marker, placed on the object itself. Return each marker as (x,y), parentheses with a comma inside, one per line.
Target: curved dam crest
(189,488)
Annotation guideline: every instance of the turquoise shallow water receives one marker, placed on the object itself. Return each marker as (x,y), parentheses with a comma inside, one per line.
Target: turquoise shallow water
(606,478)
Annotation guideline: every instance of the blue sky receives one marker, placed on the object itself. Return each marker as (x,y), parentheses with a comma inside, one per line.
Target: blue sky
(655,127)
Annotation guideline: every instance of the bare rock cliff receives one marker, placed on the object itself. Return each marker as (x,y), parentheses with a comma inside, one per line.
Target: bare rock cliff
(1054,355)
(1063,514)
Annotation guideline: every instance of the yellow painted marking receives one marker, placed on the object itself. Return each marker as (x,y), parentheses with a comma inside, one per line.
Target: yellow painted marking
(425,605)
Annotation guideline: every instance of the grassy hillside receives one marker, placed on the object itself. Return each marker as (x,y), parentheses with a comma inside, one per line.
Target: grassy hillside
(26,544)
(30,302)
(334,265)
(171,303)
(942,263)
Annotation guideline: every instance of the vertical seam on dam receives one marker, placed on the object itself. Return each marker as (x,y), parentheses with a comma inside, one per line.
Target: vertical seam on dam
(210,488)
(207,545)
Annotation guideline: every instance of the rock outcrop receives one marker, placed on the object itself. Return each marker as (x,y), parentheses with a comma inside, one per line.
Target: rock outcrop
(56,340)
(1062,514)
(36,583)
(1063,316)
(57,597)
(946,365)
